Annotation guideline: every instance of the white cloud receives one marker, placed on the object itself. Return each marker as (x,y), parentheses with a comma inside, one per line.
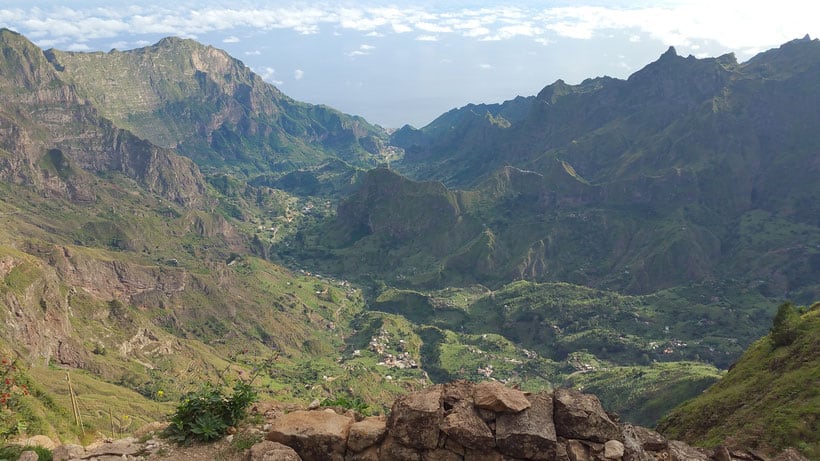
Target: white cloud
(268,75)
(401,28)
(298,74)
(49,43)
(253,53)
(486,66)
(427,38)
(432,27)
(737,25)
(363,50)
(78,47)
(476,32)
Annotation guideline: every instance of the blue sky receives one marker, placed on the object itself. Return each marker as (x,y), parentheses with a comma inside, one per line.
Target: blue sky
(407,62)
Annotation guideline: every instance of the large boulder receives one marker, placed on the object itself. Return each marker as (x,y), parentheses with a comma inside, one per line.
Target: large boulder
(637,439)
(392,450)
(581,416)
(66,452)
(369,454)
(272,451)
(28,455)
(315,435)
(457,391)
(366,433)
(119,448)
(679,451)
(577,451)
(441,455)
(648,439)
(415,418)
(483,455)
(39,441)
(466,428)
(494,396)
(613,449)
(528,434)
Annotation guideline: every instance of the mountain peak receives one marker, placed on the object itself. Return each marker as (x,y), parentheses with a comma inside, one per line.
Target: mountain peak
(669,53)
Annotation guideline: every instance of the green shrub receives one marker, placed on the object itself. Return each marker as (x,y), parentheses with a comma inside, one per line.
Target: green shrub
(12,452)
(15,414)
(205,415)
(244,440)
(350,403)
(785,325)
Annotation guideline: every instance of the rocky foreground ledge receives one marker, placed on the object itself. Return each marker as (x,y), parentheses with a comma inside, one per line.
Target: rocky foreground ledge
(460,421)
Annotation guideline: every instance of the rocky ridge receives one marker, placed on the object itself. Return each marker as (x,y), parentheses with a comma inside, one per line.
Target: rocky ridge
(40,146)
(456,421)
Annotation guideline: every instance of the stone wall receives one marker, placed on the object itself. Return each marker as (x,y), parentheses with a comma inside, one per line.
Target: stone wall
(481,422)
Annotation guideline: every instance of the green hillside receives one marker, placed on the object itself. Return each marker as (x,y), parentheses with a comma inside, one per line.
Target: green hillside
(169,219)
(769,399)
(210,107)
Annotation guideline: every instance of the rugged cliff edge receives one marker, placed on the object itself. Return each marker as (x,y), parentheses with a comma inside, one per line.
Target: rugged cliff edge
(55,140)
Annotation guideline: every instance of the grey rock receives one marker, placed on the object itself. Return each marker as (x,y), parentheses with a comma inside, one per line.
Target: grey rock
(272,451)
(530,433)
(581,416)
(679,451)
(315,435)
(67,452)
(415,418)
(494,396)
(366,433)
(466,427)
(613,449)
(28,455)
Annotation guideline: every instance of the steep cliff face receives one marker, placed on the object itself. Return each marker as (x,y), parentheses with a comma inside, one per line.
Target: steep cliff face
(46,331)
(52,138)
(211,107)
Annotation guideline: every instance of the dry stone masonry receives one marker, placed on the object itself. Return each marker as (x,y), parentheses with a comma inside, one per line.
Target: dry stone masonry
(462,421)
(459,421)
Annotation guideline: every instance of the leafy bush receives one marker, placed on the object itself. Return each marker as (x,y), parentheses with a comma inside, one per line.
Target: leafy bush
(205,415)
(785,325)
(13,389)
(244,440)
(12,452)
(350,403)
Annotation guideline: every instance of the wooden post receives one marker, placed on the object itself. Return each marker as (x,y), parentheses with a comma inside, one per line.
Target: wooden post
(111,420)
(75,407)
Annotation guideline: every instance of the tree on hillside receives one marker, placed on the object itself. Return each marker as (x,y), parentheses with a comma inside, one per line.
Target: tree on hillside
(784,326)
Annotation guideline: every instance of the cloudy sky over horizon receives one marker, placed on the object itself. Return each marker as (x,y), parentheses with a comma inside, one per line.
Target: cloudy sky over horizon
(407,62)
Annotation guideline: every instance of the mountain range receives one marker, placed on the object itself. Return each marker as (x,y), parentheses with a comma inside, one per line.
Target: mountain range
(168,213)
